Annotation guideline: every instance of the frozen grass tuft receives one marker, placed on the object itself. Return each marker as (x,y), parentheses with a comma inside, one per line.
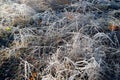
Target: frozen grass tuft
(69,41)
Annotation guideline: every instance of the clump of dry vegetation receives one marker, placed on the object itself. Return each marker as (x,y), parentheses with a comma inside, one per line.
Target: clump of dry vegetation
(59,40)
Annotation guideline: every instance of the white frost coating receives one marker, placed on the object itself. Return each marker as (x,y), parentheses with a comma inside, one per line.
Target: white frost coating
(16,13)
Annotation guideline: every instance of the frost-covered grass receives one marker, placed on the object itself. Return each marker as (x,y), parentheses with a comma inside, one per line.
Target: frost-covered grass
(67,41)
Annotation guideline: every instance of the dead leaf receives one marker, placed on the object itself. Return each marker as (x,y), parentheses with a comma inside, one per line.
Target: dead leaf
(113,27)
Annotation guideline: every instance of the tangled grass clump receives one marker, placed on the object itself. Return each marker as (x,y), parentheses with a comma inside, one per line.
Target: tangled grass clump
(72,40)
